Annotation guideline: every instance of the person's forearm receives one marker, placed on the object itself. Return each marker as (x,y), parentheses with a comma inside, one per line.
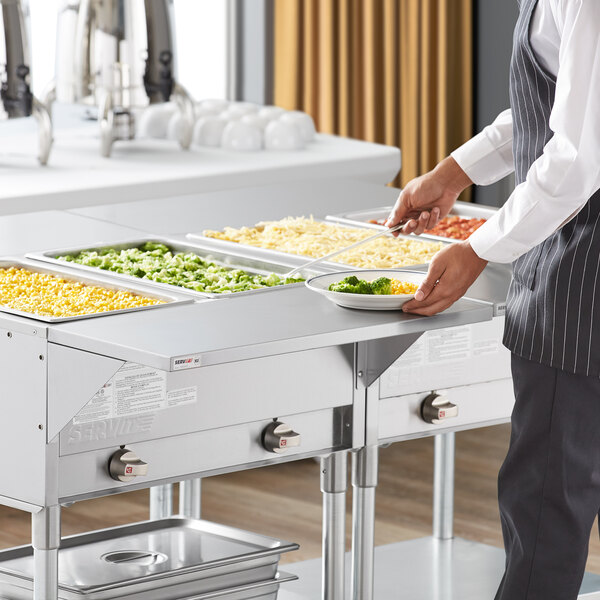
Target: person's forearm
(451,176)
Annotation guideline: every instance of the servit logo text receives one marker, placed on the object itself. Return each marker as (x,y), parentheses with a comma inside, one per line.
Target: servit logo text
(109,429)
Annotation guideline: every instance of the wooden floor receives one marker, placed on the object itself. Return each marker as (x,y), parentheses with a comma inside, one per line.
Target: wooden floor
(284,501)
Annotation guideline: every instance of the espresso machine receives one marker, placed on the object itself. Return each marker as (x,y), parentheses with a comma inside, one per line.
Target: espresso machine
(118,57)
(17,100)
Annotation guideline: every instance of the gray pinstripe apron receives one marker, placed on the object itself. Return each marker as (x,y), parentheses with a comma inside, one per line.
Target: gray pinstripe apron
(553,310)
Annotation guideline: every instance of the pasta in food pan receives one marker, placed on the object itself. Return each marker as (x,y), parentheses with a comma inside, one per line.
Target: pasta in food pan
(313,238)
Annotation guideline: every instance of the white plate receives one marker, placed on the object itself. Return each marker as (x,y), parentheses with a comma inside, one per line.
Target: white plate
(321,283)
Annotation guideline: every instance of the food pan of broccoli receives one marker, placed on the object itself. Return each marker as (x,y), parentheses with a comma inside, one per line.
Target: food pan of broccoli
(198,269)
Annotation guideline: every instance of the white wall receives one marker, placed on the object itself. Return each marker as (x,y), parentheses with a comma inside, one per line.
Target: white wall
(201,45)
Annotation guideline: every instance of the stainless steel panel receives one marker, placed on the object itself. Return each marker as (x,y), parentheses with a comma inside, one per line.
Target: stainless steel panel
(167,559)
(221,396)
(236,258)
(211,332)
(479,405)
(449,357)
(22,429)
(169,299)
(362,217)
(204,453)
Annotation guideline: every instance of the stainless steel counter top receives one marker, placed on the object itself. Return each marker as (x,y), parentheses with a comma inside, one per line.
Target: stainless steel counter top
(230,330)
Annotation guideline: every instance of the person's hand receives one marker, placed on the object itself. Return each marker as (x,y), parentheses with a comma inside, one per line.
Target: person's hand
(429,198)
(451,273)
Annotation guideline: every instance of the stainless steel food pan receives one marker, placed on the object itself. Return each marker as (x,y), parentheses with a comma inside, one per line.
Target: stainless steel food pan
(264,590)
(356,218)
(97,279)
(233,259)
(166,559)
(277,255)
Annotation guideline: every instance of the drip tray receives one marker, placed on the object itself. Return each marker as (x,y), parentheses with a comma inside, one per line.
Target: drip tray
(167,559)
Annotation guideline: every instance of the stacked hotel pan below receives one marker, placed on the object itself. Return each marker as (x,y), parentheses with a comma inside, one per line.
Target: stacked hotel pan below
(169,559)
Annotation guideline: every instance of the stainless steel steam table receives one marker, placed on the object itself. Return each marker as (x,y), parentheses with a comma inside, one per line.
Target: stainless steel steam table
(288,355)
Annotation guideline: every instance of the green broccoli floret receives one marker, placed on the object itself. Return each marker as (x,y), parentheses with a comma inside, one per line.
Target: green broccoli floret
(381,286)
(363,287)
(347,287)
(352,280)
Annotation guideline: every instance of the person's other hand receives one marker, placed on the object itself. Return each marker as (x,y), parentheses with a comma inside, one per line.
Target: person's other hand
(451,273)
(429,198)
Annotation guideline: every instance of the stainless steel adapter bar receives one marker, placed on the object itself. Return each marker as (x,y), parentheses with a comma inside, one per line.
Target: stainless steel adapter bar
(161,502)
(45,536)
(443,486)
(334,474)
(364,483)
(190,498)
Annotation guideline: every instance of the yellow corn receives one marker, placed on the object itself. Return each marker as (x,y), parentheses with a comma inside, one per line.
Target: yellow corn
(403,287)
(51,296)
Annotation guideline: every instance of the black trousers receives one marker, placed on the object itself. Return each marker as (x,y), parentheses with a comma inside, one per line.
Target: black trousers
(549,484)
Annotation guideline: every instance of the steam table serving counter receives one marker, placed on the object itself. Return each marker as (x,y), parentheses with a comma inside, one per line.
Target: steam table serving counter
(202,422)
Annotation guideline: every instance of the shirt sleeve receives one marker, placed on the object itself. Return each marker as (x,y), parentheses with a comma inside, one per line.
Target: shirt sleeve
(487,157)
(567,174)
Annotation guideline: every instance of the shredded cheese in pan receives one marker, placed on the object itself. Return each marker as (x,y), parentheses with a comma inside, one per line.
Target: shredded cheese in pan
(307,237)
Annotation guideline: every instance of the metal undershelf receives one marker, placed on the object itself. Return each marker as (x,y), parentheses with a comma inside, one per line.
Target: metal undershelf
(424,569)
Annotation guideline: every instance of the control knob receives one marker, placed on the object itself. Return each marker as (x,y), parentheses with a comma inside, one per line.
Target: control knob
(278,437)
(125,465)
(436,409)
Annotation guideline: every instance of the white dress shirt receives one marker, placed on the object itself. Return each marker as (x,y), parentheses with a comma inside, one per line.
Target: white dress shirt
(565,36)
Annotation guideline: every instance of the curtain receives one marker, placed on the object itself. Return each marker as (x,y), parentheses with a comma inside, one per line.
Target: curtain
(396,72)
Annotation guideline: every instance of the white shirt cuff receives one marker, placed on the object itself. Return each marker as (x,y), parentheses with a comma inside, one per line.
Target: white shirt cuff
(489,243)
(483,162)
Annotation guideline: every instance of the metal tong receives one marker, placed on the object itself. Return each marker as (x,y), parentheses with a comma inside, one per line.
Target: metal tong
(310,263)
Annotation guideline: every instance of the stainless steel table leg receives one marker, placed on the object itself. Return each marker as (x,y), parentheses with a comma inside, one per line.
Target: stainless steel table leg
(334,473)
(364,482)
(443,486)
(161,502)
(45,534)
(190,498)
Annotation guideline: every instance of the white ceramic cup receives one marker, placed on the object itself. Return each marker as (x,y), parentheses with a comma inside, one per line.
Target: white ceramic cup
(208,131)
(217,104)
(154,120)
(241,137)
(204,111)
(175,127)
(256,120)
(283,136)
(271,112)
(303,121)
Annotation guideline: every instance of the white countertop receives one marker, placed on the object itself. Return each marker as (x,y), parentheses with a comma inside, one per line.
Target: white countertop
(77,176)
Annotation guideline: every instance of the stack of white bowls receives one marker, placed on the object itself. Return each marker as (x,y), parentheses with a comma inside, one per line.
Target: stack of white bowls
(240,126)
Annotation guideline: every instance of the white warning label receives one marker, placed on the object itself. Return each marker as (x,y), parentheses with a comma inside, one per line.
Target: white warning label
(182,396)
(134,390)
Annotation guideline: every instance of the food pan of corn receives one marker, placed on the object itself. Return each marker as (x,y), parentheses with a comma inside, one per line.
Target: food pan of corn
(55,295)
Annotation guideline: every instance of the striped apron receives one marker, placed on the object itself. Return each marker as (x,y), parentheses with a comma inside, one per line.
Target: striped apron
(553,311)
